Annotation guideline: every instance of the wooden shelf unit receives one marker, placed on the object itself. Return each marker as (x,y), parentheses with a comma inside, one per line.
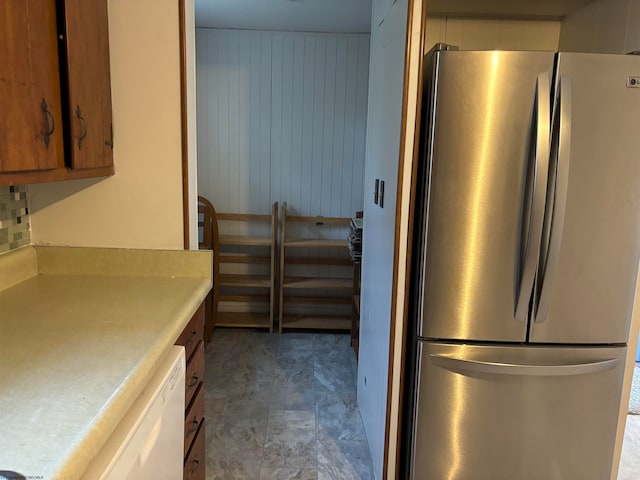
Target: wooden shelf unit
(246,298)
(314,300)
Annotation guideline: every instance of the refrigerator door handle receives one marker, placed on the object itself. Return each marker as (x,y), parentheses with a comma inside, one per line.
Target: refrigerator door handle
(497,368)
(561,145)
(534,232)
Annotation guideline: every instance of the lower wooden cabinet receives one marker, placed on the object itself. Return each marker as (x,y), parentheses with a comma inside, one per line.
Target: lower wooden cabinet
(194,463)
(195,373)
(192,334)
(194,442)
(194,418)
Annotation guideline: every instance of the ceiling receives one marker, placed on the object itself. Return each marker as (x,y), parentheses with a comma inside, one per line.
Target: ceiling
(288,15)
(355,15)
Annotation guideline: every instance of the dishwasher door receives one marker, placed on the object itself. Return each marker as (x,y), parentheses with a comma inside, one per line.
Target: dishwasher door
(490,412)
(148,444)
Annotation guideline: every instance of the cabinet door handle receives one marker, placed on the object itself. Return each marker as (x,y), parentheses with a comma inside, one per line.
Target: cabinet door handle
(193,336)
(49,121)
(193,381)
(196,463)
(109,142)
(83,124)
(194,426)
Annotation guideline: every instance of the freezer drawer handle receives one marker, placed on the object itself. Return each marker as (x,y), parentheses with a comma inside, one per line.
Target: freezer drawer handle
(496,368)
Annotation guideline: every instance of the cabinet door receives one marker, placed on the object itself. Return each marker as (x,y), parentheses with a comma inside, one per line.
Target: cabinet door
(87,44)
(30,117)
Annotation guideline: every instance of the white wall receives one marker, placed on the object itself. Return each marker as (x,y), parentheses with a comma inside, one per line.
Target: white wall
(490,34)
(141,205)
(383,142)
(605,26)
(282,117)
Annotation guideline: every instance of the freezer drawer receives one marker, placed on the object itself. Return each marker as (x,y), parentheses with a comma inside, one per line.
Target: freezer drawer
(516,412)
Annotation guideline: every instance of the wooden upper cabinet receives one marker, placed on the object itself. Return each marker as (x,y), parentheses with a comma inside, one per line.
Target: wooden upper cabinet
(89,88)
(30,106)
(55,91)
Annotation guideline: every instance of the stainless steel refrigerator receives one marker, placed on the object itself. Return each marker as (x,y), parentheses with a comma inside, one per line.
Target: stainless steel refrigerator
(526,249)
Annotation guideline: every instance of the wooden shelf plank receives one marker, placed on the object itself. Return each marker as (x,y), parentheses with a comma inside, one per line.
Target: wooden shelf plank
(242,258)
(356,303)
(346,262)
(236,280)
(316,243)
(243,217)
(321,220)
(242,319)
(318,300)
(318,282)
(320,322)
(245,240)
(245,298)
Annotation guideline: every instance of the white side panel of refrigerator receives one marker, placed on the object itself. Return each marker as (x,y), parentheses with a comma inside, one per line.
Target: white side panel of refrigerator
(489,412)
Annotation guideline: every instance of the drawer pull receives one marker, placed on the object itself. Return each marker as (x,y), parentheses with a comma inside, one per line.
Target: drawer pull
(193,336)
(193,382)
(194,426)
(196,463)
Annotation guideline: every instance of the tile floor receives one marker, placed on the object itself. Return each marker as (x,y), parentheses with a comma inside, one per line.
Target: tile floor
(282,407)
(630,458)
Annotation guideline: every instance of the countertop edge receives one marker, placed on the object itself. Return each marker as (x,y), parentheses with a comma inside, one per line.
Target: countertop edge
(88,446)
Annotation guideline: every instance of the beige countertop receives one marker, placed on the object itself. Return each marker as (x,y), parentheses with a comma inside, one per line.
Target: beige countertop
(81,333)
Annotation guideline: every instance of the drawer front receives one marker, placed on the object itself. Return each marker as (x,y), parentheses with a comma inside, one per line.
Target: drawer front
(192,333)
(195,373)
(194,463)
(194,417)
(525,412)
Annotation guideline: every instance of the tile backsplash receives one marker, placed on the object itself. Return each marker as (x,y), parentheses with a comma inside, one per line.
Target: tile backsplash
(15,230)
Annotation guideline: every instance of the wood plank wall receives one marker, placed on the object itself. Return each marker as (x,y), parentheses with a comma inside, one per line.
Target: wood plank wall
(282,117)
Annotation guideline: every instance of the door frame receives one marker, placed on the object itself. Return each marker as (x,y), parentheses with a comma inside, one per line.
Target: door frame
(405,210)
(189,157)
(184,135)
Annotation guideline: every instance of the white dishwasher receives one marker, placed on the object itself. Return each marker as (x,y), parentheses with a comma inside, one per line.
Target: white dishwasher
(148,443)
